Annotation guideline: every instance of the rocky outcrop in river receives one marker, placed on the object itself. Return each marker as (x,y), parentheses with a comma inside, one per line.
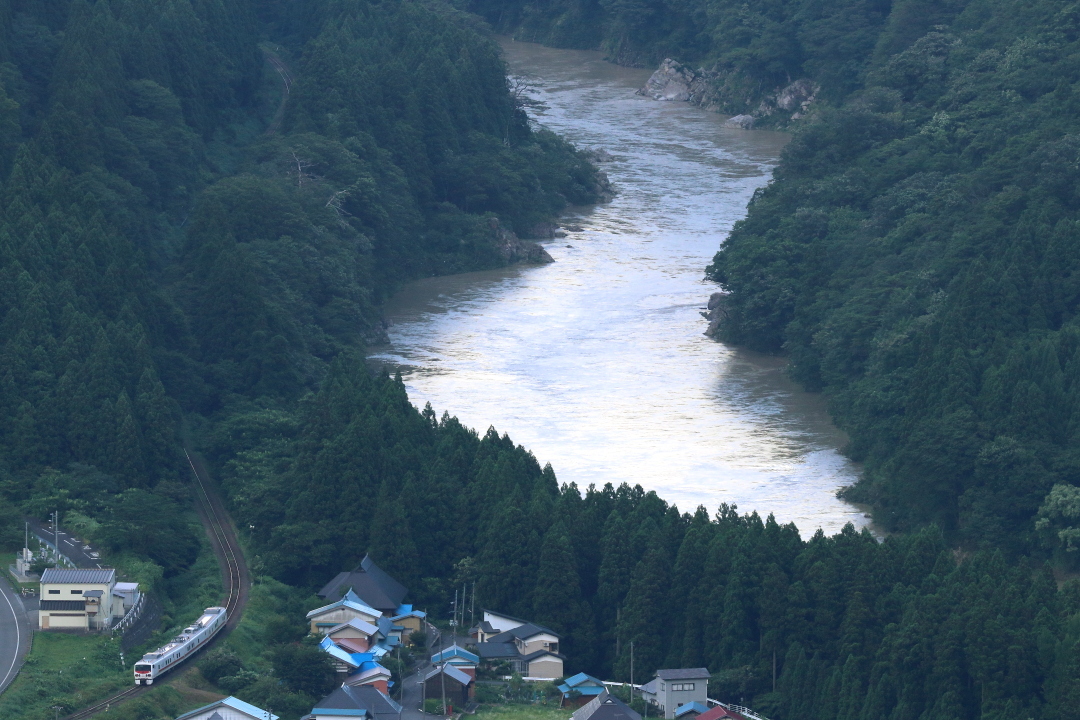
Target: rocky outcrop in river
(513,249)
(726,90)
(717,313)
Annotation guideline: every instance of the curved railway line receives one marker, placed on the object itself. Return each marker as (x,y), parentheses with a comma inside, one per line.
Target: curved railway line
(234,576)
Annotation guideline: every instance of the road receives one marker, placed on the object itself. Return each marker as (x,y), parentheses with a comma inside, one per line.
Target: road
(14,634)
(70,546)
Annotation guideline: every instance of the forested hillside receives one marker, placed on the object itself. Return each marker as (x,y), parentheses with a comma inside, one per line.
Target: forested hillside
(171,243)
(841,628)
(917,259)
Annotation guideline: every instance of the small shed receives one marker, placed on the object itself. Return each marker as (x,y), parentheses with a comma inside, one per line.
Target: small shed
(579,689)
(460,687)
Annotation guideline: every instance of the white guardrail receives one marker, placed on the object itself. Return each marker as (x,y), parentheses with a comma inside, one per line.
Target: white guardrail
(131,616)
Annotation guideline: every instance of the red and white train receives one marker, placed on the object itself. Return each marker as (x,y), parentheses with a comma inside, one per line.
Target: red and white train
(191,639)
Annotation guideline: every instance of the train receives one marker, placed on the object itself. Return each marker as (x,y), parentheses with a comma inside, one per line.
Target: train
(192,638)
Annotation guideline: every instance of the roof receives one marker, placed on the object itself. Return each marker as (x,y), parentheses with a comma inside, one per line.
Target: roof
(523,632)
(582,683)
(455,651)
(483,626)
(369,582)
(350,600)
(235,704)
(605,706)
(92,593)
(683,674)
(357,701)
(719,713)
(539,653)
(126,586)
(352,645)
(651,687)
(691,707)
(450,672)
(368,671)
(79,605)
(340,654)
(357,624)
(504,615)
(83,577)
(495,650)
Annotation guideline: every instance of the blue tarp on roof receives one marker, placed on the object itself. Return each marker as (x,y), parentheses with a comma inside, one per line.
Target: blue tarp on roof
(690,707)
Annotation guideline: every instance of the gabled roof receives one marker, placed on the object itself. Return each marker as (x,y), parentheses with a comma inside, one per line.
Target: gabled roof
(605,706)
(340,654)
(356,624)
(540,653)
(483,626)
(352,645)
(350,600)
(651,687)
(455,651)
(235,704)
(523,632)
(582,683)
(451,672)
(497,650)
(720,713)
(93,576)
(683,674)
(691,707)
(368,671)
(358,701)
(369,582)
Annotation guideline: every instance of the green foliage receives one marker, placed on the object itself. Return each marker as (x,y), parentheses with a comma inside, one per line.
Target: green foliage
(305,668)
(916,259)
(158,255)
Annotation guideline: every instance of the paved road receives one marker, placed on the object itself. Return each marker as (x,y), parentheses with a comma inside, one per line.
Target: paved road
(412,693)
(70,547)
(14,634)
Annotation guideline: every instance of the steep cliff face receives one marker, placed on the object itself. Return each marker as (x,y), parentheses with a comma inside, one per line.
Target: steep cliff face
(732,92)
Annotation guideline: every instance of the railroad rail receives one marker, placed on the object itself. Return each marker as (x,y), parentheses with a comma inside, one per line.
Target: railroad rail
(234,574)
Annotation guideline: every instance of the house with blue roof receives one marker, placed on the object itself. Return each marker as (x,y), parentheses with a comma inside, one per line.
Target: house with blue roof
(410,620)
(456,656)
(349,607)
(579,689)
(229,708)
(690,710)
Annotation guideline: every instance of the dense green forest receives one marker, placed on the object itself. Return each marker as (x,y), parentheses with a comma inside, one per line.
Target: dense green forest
(184,228)
(203,203)
(854,628)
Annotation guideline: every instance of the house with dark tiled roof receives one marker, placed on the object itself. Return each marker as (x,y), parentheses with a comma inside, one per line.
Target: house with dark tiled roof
(605,706)
(530,649)
(372,585)
(364,702)
(671,689)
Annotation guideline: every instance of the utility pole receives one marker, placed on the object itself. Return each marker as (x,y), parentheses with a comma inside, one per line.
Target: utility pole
(472,606)
(56,534)
(631,673)
(442,681)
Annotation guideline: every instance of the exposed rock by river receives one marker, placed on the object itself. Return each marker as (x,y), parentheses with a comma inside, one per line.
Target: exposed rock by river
(717,313)
(730,91)
(513,249)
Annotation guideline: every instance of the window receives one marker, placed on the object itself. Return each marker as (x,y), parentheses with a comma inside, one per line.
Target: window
(662,686)
(54,592)
(681,686)
(76,592)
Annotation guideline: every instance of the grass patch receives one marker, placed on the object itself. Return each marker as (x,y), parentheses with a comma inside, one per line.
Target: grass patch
(69,671)
(523,712)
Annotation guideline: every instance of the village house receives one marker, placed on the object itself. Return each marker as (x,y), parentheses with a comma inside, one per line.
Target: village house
(349,607)
(671,689)
(459,657)
(228,709)
(372,585)
(720,713)
(78,599)
(356,635)
(579,689)
(531,650)
(605,706)
(364,701)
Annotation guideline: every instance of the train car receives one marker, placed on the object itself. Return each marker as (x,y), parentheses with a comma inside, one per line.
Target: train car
(191,639)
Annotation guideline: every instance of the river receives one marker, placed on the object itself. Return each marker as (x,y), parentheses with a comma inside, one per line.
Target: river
(597,362)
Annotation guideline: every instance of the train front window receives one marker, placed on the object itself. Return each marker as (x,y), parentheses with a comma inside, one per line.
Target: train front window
(143,668)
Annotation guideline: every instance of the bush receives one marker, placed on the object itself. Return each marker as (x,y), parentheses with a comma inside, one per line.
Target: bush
(433,706)
(220,663)
(418,638)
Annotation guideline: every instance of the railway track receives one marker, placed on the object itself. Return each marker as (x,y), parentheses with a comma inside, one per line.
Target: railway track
(234,576)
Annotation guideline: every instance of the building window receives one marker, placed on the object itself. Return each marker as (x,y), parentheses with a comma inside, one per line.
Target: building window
(54,592)
(681,686)
(663,687)
(76,592)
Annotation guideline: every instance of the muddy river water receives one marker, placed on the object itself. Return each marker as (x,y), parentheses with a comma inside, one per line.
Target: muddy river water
(597,362)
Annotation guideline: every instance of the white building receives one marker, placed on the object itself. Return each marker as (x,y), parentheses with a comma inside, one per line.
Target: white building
(78,599)
(228,709)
